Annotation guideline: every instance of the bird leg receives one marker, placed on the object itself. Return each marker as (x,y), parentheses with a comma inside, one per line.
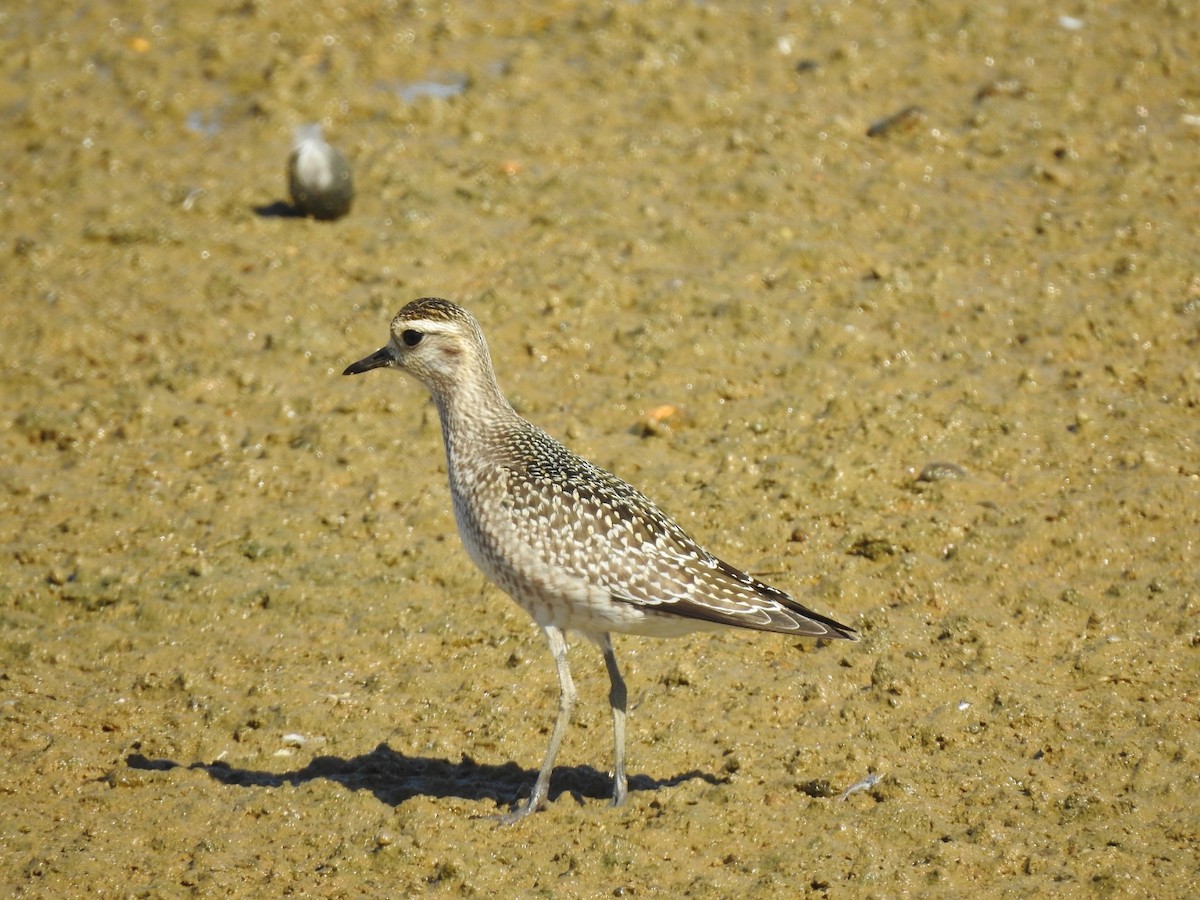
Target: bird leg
(617,700)
(566,704)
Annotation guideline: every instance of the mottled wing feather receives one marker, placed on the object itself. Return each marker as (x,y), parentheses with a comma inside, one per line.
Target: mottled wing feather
(617,539)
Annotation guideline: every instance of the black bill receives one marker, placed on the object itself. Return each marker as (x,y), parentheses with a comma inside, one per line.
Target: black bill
(380,358)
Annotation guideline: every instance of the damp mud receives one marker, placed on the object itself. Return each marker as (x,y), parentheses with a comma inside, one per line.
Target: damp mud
(895,305)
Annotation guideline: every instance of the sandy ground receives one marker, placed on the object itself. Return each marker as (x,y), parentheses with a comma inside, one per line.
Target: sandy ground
(920,282)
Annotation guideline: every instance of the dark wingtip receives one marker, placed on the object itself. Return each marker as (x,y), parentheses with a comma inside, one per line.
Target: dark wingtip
(834,631)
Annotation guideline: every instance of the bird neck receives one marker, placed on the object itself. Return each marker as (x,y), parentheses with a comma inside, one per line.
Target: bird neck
(474,416)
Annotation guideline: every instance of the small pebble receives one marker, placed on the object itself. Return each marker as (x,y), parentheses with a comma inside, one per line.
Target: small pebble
(661,420)
(866,784)
(319,177)
(907,120)
(1002,87)
(942,471)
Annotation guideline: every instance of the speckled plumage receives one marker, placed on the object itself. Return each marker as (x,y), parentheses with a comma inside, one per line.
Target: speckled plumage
(574,545)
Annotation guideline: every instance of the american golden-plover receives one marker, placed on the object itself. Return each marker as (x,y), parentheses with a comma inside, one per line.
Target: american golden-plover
(575,546)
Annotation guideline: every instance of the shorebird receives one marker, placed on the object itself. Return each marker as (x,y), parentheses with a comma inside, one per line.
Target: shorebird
(575,546)
(319,178)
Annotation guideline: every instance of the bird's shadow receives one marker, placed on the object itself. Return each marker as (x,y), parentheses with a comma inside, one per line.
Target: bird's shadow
(279,209)
(393,777)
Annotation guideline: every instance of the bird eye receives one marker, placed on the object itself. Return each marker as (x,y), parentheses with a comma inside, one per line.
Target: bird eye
(411,338)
